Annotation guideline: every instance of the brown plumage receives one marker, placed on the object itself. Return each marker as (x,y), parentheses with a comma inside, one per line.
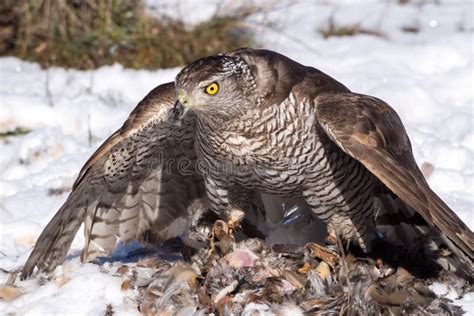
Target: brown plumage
(129,189)
(274,127)
(291,130)
(141,183)
(370,131)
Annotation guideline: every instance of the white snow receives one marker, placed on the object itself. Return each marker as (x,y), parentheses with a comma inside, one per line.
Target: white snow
(466,301)
(426,76)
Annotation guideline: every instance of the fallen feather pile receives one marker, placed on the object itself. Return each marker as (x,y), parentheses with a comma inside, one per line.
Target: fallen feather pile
(251,278)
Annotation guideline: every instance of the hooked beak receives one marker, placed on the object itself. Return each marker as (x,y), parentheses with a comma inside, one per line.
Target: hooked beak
(178,108)
(177,111)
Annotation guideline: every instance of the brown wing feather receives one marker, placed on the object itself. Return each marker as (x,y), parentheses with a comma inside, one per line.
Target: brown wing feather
(131,185)
(370,131)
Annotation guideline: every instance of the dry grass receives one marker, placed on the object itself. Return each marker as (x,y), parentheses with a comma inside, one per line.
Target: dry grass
(19,131)
(331,29)
(86,34)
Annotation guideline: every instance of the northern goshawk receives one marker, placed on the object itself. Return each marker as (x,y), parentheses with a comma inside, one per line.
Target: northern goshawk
(247,123)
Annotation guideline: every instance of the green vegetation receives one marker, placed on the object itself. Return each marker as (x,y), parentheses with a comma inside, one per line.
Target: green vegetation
(86,34)
(16,132)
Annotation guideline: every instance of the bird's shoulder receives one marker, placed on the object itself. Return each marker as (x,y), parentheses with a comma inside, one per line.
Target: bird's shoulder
(314,82)
(366,118)
(278,77)
(154,107)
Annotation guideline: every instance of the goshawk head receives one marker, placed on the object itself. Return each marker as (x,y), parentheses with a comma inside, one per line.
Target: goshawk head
(219,84)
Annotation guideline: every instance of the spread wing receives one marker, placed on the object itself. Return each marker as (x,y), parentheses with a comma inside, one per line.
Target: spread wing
(139,182)
(370,131)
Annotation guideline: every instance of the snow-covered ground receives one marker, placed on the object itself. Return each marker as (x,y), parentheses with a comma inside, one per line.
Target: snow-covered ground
(426,76)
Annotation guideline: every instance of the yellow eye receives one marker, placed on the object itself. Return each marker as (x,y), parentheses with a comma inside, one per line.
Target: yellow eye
(212,88)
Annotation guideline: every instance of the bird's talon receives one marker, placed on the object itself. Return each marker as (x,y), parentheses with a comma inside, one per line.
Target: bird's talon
(305,268)
(379,263)
(325,254)
(330,240)
(235,217)
(222,239)
(233,225)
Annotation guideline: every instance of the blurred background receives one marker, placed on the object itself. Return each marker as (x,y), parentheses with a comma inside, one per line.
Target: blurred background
(151,34)
(87,34)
